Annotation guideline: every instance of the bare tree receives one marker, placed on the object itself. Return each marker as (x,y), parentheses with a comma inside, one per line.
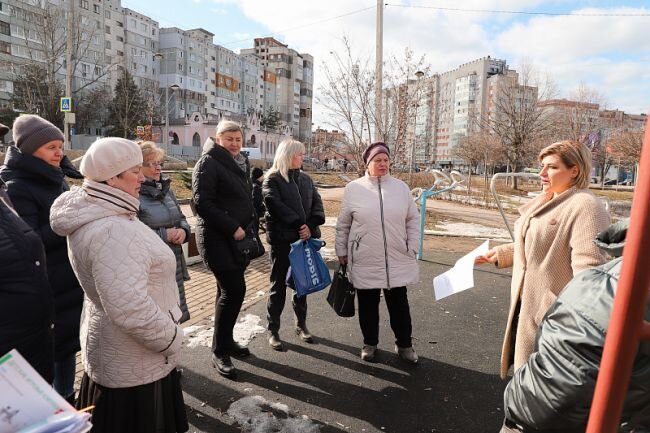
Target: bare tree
(349,97)
(518,119)
(45,49)
(626,147)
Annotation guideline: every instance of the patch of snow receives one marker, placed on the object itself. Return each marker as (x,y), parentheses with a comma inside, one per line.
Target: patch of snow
(200,338)
(470,230)
(247,328)
(255,414)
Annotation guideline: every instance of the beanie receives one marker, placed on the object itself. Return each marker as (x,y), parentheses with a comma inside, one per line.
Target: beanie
(108,157)
(256,173)
(31,132)
(373,150)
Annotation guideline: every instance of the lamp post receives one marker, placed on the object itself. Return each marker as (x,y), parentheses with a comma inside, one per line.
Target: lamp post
(419,75)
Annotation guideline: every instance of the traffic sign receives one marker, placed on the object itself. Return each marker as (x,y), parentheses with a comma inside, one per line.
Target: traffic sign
(66,104)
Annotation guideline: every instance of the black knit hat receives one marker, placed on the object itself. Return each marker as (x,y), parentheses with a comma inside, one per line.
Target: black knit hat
(256,173)
(31,132)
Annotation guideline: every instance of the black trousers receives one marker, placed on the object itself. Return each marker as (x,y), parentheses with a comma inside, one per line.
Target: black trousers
(398,311)
(278,293)
(231,288)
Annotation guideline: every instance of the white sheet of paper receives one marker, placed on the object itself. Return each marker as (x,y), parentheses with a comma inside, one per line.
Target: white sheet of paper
(461,276)
(26,399)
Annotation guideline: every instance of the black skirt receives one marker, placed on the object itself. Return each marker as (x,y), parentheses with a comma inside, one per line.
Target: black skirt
(152,408)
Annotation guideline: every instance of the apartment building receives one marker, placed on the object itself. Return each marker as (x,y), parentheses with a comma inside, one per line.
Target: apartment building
(183,70)
(292,74)
(140,45)
(458,99)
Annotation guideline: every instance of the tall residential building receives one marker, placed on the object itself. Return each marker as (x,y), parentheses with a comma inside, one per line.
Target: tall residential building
(183,70)
(458,99)
(140,45)
(293,79)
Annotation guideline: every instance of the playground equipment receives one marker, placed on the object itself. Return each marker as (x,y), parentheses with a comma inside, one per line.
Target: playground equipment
(445,183)
(493,188)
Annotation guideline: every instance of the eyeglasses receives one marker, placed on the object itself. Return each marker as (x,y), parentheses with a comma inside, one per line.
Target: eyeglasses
(155,164)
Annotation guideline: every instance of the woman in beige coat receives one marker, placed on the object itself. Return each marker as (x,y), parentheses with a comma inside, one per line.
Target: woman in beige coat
(553,242)
(377,234)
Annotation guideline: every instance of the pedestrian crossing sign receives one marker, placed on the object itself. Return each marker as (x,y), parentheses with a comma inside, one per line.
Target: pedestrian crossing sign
(66,105)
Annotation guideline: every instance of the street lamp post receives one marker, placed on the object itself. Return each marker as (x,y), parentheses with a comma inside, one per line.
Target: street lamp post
(419,75)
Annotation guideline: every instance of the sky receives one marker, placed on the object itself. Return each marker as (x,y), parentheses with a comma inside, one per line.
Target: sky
(600,44)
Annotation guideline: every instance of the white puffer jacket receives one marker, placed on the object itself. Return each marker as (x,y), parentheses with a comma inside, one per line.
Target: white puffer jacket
(129,332)
(378,229)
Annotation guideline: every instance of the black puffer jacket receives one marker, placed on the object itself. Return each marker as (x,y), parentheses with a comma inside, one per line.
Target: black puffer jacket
(26,301)
(553,391)
(221,199)
(291,204)
(33,185)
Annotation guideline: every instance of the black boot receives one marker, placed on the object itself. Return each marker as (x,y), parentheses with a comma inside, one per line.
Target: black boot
(224,366)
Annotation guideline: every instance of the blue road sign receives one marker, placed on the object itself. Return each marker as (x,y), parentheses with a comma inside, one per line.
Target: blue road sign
(66,104)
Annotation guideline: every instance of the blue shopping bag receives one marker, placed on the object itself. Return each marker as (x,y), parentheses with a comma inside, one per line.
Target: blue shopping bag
(308,270)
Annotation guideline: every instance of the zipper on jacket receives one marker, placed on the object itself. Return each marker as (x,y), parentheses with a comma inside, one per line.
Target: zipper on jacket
(295,182)
(383,232)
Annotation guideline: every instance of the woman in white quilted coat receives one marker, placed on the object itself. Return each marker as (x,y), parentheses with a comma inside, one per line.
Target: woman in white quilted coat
(377,235)
(129,325)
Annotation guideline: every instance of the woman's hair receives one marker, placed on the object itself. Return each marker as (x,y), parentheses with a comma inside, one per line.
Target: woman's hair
(148,148)
(573,154)
(229,126)
(282,161)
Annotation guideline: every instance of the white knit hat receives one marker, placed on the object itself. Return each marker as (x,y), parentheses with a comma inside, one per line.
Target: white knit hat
(108,157)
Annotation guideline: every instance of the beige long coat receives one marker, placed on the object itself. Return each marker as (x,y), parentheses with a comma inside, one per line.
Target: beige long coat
(553,242)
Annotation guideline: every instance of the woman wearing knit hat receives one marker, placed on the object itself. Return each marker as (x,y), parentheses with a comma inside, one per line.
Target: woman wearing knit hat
(34,171)
(129,328)
(377,234)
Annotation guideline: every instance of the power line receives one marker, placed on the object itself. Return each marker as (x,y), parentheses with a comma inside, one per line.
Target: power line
(496,11)
(307,25)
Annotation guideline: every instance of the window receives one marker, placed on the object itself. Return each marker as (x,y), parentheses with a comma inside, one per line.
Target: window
(120,53)
(143,27)
(107,30)
(6,86)
(107,45)
(119,38)
(107,14)
(96,9)
(5,47)
(83,4)
(133,24)
(84,20)
(119,24)
(98,70)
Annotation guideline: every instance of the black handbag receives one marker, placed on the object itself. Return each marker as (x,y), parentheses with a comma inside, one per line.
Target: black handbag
(342,293)
(251,246)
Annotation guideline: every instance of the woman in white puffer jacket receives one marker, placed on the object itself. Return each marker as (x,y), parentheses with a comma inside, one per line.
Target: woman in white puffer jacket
(377,235)
(129,325)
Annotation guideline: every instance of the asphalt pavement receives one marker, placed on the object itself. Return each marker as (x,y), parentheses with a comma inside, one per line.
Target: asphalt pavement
(455,387)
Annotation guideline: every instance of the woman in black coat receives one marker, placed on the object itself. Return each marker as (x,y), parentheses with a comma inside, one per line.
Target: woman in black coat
(26,301)
(294,210)
(221,199)
(34,172)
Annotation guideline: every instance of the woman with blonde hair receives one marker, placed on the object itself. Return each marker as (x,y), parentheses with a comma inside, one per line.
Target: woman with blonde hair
(221,198)
(294,210)
(553,242)
(159,210)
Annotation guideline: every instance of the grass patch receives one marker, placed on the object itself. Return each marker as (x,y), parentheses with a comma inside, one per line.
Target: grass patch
(614,195)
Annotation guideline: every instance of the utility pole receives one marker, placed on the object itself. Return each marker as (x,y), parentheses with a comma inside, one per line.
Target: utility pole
(68,72)
(379,71)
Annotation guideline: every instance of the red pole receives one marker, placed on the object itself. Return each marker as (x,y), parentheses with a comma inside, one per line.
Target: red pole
(626,326)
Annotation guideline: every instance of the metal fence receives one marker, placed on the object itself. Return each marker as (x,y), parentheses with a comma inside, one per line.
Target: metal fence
(185,153)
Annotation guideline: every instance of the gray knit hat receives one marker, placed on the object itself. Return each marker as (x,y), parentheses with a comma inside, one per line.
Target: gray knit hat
(108,157)
(31,132)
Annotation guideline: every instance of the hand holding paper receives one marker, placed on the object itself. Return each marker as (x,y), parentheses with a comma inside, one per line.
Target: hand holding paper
(461,276)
